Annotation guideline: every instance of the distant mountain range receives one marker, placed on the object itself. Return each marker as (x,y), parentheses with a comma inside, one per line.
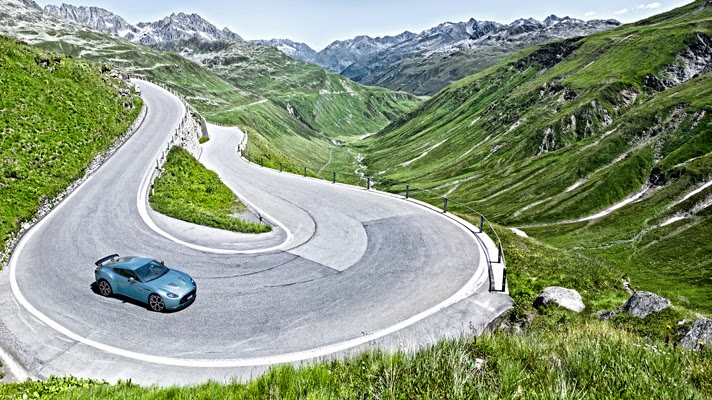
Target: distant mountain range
(340,54)
(420,63)
(425,63)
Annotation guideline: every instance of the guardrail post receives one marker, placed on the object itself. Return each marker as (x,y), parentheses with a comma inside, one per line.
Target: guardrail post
(406,191)
(305,172)
(280,167)
(504,279)
(368,183)
(499,253)
(249,157)
(333,180)
(262,161)
(444,204)
(482,220)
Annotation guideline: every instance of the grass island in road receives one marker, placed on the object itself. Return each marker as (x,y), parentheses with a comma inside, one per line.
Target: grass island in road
(190,192)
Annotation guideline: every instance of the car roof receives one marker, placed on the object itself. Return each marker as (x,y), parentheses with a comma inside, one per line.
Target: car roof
(131,263)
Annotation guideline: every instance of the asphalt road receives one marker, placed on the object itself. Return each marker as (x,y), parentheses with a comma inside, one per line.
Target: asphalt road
(344,269)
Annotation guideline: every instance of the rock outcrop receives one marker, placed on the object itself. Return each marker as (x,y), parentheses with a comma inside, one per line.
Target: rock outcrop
(563,297)
(642,304)
(700,333)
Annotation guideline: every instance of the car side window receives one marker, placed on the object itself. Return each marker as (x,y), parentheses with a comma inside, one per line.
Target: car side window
(124,272)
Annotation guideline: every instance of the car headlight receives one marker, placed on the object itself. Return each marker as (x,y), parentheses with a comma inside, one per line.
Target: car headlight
(171,295)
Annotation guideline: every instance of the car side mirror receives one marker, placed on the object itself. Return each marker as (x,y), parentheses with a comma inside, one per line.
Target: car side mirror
(132,280)
(162,263)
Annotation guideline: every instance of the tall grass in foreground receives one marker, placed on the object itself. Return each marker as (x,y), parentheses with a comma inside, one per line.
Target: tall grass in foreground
(190,192)
(590,360)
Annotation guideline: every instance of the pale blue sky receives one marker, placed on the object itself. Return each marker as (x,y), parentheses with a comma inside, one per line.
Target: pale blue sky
(320,22)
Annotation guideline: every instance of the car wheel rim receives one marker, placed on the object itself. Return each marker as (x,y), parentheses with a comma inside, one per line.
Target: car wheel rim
(104,288)
(156,303)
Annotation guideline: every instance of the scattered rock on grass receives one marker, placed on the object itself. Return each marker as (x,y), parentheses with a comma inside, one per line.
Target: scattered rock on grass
(642,304)
(701,332)
(563,297)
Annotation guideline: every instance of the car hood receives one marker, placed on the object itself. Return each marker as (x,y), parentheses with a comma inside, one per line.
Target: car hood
(174,281)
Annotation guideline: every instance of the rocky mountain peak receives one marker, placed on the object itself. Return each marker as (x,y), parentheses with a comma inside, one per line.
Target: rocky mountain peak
(93,17)
(181,26)
(478,29)
(551,20)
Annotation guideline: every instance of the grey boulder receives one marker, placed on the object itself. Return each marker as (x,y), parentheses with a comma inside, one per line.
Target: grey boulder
(701,332)
(563,297)
(642,304)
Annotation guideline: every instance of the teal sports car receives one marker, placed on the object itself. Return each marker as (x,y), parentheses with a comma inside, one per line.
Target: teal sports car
(145,280)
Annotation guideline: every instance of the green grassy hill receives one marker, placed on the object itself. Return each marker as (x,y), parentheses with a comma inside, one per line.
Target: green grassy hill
(56,114)
(563,131)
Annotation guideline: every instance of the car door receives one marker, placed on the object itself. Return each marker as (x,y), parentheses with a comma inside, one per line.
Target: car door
(129,285)
(121,282)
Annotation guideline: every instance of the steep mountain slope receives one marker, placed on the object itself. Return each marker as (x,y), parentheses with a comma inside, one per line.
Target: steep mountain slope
(337,56)
(178,27)
(436,57)
(56,115)
(556,136)
(324,101)
(94,17)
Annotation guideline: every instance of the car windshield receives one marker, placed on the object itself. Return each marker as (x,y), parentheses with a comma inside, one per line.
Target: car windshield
(151,271)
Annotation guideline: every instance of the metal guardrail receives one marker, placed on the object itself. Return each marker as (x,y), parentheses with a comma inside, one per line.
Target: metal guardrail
(369,182)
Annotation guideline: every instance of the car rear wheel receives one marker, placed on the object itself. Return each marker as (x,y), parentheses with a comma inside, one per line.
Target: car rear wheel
(104,288)
(156,302)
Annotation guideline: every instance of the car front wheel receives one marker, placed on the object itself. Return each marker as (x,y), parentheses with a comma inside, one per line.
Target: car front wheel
(156,302)
(104,288)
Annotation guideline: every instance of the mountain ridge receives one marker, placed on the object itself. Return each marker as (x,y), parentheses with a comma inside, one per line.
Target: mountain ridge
(173,27)
(450,51)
